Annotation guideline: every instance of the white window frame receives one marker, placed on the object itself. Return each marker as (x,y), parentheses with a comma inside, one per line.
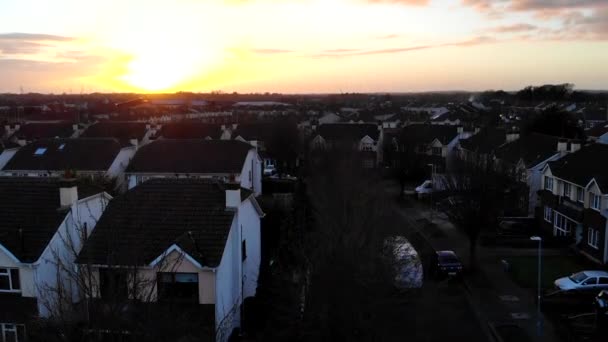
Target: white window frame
(548,214)
(580,194)
(561,227)
(595,205)
(593,237)
(569,188)
(6,272)
(548,185)
(11,327)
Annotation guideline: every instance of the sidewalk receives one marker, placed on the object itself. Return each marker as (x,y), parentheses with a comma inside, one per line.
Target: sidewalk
(498,299)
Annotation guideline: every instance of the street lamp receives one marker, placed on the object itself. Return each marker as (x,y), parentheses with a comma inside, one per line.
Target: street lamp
(539,326)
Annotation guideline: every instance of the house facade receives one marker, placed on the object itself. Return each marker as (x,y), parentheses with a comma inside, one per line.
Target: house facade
(574,200)
(364,138)
(37,252)
(226,160)
(199,245)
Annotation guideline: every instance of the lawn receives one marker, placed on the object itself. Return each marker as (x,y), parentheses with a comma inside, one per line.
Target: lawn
(523,269)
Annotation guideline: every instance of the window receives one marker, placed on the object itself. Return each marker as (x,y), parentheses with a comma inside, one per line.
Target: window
(10,332)
(9,280)
(548,214)
(181,287)
(61,147)
(580,194)
(590,281)
(243,250)
(596,201)
(437,151)
(566,190)
(548,183)
(603,281)
(593,237)
(367,147)
(40,151)
(562,226)
(113,284)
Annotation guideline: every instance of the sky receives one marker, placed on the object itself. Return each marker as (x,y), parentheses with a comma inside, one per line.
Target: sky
(300,46)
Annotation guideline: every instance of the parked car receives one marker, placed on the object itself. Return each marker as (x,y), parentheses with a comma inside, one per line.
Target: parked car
(448,263)
(424,189)
(584,280)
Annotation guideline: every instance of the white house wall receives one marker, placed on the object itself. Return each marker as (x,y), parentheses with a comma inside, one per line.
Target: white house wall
(64,246)
(26,273)
(249,220)
(118,167)
(228,285)
(253,165)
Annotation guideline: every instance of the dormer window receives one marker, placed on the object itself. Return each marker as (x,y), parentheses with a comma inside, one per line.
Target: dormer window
(596,201)
(9,280)
(566,190)
(40,151)
(548,183)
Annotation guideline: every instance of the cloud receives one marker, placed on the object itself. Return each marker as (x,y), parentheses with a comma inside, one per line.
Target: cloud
(514,28)
(390,36)
(32,37)
(403,2)
(362,52)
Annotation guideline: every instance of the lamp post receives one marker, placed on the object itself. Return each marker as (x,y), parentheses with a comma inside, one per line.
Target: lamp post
(539,325)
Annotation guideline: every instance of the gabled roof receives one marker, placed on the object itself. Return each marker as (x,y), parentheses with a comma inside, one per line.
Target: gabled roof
(532,148)
(190,130)
(190,156)
(66,154)
(35,131)
(486,140)
(141,225)
(422,133)
(584,165)
(348,131)
(32,205)
(597,130)
(254,131)
(123,131)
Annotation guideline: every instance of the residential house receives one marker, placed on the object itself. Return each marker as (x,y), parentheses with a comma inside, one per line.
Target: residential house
(482,145)
(193,130)
(364,138)
(127,133)
(82,157)
(26,133)
(228,160)
(526,158)
(598,133)
(574,200)
(431,144)
(42,224)
(197,241)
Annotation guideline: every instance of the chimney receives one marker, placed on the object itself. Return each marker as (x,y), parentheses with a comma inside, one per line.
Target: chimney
(133,141)
(21,141)
(68,192)
(148,127)
(233,199)
(223,127)
(234,126)
(562,145)
(17,126)
(477,129)
(512,136)
(460,129)
(575,145)
(75,127)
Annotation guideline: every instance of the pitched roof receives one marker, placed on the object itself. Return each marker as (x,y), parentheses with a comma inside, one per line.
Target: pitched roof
(66,154)
(254,131)
(583,166)
(32,205)
(190,156)
(123,131)
(597,130)
(190,130)
(139,226)
(486,140)
(348,131)
(533,148)
(35,131)
(423,133)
